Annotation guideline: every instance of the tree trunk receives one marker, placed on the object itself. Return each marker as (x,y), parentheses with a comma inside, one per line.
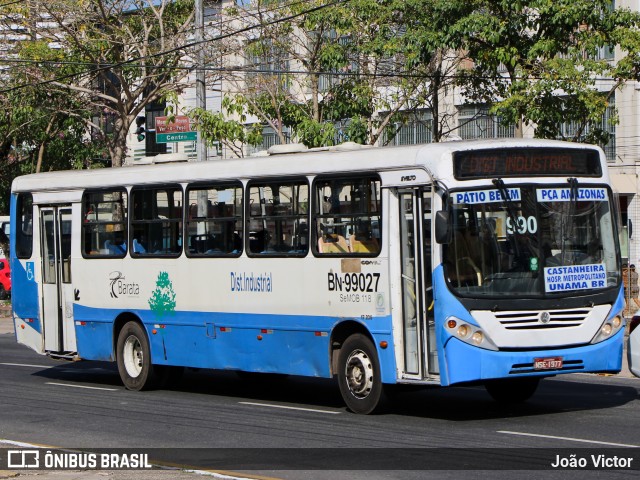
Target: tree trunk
(41,149)
(118,145)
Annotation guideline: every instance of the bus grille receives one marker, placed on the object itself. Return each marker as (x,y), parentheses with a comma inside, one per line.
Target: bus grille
(532,320)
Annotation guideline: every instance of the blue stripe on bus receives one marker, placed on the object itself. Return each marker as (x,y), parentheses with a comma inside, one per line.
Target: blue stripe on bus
(195,339)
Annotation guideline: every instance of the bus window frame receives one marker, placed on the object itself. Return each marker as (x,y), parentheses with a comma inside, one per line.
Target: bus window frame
(373,176)
(84,222)
(266,181)
(167,187)
(213,185)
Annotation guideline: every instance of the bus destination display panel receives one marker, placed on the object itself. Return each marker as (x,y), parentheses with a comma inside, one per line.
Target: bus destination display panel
(516,162)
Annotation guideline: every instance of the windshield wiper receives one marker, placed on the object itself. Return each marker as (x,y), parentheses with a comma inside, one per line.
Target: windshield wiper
(513,215)
(506,200)
(567,224)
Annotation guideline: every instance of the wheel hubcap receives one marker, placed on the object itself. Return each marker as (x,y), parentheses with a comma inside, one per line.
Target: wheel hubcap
(359,373)
(133,356)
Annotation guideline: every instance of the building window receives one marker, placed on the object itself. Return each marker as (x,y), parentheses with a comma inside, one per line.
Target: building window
(475,121)
(269,138)
(267,66)
(568,131)
(415,128)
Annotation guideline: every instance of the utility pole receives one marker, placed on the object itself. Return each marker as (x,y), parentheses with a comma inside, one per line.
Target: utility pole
(201,89)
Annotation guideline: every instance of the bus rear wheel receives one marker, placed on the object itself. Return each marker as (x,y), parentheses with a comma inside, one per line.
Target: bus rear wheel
(359,375)
(133,356)
(512,390)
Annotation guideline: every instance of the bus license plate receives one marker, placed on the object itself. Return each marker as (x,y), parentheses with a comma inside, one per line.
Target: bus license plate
(552,363)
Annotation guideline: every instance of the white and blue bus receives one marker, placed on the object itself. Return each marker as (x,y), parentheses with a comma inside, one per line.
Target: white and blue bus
(483,262)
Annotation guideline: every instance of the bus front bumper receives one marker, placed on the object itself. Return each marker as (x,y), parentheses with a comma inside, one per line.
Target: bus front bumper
(466,363)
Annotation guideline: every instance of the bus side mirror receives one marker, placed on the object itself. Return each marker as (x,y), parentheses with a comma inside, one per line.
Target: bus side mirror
(443,227)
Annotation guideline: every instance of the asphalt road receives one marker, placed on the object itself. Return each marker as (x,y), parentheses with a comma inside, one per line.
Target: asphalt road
(83,405)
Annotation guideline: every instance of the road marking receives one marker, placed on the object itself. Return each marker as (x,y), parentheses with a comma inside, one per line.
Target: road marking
(27,365)
(581,440)
(22,444)
(290,408)
(82,386)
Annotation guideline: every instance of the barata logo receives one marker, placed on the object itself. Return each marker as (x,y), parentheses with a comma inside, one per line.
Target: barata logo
(120,287)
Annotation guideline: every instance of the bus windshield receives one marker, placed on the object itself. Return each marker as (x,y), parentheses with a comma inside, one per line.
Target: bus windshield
(532,241)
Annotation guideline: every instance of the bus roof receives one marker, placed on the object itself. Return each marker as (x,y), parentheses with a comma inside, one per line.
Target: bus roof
(312,162)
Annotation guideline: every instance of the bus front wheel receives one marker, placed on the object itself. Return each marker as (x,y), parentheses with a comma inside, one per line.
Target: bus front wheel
(359,375)
(512,390)
(133,356)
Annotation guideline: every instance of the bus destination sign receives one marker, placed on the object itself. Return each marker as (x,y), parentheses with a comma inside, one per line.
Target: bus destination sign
(517,162)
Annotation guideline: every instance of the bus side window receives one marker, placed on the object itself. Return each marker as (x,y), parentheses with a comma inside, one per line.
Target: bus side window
(104,226)
(214,226)
(278,218)
(346,215)
(157,221)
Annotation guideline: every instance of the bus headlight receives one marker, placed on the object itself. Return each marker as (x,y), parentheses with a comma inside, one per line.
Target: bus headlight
(609,328)
(471,334)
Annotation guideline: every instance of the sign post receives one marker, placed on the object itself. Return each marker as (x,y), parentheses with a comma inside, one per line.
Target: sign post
(177,131)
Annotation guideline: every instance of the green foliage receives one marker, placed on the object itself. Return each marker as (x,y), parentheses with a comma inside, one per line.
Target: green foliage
(538,62)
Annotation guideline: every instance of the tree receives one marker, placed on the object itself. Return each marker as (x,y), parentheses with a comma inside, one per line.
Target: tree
(539,62)
(36,134)
(329,72)
(115,58)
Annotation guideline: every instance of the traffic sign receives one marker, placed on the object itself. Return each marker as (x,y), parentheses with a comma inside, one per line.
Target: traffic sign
(179,130)
(176,137)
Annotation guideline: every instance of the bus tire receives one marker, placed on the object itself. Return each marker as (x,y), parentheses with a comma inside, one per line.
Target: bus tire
(512,390)
(359,375)
(133,356)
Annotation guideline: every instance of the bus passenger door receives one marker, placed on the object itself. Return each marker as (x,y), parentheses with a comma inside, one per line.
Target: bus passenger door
(417,296)
(57,291)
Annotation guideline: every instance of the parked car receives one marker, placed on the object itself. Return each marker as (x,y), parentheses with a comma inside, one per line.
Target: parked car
(633,348)
(4,236)
(5,279)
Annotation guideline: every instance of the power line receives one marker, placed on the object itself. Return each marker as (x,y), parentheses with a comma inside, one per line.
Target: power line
(177,49)
(254,68)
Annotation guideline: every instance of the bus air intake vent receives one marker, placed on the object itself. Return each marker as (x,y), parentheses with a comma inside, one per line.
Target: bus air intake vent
(543,320)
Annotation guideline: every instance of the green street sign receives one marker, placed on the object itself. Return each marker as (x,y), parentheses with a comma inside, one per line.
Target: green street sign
(176,137)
